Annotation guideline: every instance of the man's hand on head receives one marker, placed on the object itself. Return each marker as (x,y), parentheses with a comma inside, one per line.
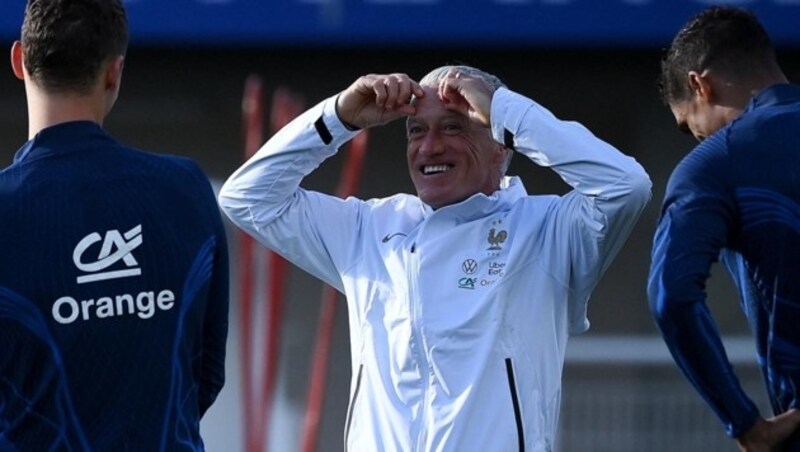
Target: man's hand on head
(467,95)
(377,99)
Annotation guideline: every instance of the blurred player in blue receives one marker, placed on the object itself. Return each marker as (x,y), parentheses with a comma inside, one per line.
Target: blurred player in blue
(736,195)
(114,274)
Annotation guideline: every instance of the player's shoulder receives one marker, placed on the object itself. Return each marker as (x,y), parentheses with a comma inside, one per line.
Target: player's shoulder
(708,156)
(706,168)
(185,164)
(175,165)
(764,128)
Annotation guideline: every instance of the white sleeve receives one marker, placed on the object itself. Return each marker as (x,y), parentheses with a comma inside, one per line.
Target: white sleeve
(610,189)
(313,230)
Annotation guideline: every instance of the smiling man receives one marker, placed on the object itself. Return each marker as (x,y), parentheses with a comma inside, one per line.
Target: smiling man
(462,297)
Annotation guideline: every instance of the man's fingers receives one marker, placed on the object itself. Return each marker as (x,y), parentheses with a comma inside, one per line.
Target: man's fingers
(450,86)
(449,91)
(376,99)
(381,92)
(404,92)
(400,88)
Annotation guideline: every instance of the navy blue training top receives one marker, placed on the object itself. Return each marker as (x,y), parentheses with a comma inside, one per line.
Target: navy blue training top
(113,296)
(736,194)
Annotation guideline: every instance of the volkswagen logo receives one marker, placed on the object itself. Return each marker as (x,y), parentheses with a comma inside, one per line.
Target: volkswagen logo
(469,266)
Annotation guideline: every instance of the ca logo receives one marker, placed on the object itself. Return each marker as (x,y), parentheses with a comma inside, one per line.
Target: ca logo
(115,247)
(467,283)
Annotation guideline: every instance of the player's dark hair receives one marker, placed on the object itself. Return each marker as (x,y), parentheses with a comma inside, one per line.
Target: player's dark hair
(727,39)
(65,42)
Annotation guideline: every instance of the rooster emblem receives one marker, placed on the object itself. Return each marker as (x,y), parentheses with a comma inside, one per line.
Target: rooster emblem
(496,238)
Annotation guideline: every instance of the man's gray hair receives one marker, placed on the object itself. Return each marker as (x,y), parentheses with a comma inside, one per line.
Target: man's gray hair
(437,75)
(434,77)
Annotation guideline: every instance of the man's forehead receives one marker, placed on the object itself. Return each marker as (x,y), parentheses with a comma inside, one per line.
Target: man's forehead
(432,107)
(431,92)
(438,116)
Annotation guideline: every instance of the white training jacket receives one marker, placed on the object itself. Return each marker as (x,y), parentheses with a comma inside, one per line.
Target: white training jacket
(458,317)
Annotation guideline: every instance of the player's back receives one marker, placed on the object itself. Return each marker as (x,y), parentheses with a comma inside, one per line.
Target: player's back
(765,185)
(113,296)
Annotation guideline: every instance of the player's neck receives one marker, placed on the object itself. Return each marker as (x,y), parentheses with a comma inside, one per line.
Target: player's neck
(769,79)
(47,109)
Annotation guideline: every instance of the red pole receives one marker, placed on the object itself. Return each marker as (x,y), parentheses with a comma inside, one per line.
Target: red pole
(348,185)
(258,388)
(285,107)
(253,116)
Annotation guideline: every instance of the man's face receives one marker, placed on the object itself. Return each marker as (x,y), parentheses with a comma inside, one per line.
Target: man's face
(450,158)
(698,117)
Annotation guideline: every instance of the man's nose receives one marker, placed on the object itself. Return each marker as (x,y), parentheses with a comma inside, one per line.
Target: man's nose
(431,144)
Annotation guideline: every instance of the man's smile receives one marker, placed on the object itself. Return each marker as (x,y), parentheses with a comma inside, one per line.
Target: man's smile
(435,169)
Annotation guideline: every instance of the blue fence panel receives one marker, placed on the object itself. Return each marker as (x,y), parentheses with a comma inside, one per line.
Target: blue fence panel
(510,23)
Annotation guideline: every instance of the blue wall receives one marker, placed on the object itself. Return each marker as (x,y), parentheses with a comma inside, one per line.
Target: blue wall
(576,23)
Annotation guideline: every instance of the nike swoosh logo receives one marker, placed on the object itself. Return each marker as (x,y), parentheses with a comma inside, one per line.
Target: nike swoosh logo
(388,237)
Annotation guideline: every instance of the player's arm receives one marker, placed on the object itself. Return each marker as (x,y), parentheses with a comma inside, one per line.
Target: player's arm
(215,316)
(695,222)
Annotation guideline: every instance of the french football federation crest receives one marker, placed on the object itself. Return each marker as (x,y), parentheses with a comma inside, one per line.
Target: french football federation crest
(496,236)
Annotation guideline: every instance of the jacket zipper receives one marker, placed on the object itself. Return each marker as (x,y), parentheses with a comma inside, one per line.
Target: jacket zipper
(352,406)
(512,386)
(413,276)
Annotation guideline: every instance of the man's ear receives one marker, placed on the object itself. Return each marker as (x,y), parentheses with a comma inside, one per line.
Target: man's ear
(16,60)
(500,158)
(701,86)
(113,73)
(500,153)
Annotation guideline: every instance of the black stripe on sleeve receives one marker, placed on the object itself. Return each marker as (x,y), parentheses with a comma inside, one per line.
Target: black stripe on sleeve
(508,139)
(323,131)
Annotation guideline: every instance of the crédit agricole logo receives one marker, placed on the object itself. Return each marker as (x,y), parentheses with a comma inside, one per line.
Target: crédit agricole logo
(104,258)
(115,247)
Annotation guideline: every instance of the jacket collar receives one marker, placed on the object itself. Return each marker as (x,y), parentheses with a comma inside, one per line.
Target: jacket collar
(62,138)
(480,205)
(774,95)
